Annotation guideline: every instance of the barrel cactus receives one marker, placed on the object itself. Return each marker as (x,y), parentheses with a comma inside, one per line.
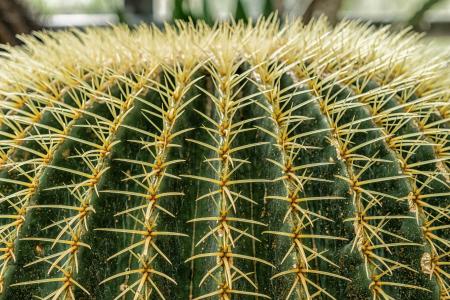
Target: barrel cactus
(229,162)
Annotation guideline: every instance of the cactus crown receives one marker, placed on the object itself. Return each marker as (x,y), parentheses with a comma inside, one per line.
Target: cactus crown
(238,161)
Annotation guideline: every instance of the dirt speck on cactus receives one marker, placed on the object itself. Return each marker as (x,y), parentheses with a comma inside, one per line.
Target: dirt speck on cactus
(241,161)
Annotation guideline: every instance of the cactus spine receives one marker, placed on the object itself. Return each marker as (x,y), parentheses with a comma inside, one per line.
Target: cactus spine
(266,161)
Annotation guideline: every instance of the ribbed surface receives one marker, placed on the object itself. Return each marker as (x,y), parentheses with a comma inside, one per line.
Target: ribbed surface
(292,162)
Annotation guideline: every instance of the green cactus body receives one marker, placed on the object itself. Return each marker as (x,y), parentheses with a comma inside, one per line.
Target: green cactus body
(233,162)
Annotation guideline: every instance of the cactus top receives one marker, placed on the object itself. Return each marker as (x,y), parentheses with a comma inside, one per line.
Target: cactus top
(350,46)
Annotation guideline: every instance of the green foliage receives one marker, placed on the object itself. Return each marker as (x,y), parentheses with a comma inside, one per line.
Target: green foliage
(233,162)
(417,17)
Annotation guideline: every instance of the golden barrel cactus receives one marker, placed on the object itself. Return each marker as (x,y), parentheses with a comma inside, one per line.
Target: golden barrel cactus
(229,162)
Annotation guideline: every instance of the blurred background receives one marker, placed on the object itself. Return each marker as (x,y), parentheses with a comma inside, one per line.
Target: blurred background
(23,16)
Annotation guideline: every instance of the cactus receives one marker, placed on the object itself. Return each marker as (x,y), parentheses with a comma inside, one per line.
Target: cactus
(230,162)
